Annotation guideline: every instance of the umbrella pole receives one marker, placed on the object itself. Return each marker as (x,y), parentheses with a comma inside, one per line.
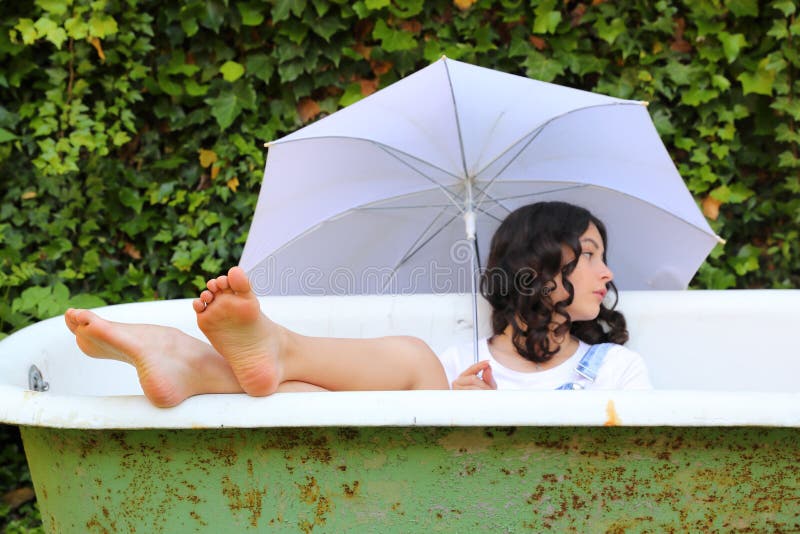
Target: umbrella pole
(469,222)
(474,297)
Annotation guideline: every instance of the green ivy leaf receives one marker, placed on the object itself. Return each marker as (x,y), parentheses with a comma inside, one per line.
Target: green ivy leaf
(101,25)
(759,82)
(282,9)
(732,44)
(51,31)
(743,8)
(85,301)
(229,104)
(251,15)
(746,260)
(261,66)
(696,96)
(393,40)
(231,71)
(547,19)
(540,67)
(610,31)
(735,193)
(787,7)
(27,31)
(351,95)
(6,136)
(56,7)
(375,5)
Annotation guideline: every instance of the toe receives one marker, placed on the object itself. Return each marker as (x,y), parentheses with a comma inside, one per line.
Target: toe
(69,318)
(198,305)
(83,317)
(212,285)
(238,280)
(207,296)
(222,283)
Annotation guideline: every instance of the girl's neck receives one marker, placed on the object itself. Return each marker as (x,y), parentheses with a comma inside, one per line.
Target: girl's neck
(503,350)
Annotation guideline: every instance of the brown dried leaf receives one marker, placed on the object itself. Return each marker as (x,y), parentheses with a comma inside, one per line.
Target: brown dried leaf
(711,207)
(132,251)
(28,195)
(99,47)
(368,87)
(680,44)
(233,184)
(413,26)
(538,42)
(363,50)
(381,67)
(307,108)
(215,171)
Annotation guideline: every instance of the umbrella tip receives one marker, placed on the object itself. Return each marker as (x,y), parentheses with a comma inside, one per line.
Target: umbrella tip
(645,103)
(721,241)
(267,144)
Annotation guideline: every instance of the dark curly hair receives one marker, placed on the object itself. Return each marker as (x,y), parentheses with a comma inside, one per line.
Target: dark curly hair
(525,257)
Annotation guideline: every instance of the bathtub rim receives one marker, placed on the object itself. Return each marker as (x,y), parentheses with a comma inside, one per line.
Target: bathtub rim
(679,408)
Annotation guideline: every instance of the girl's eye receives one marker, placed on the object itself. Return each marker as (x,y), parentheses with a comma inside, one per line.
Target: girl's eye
(588,254)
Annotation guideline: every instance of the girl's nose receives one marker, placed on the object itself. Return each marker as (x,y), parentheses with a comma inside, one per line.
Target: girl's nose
(606,273)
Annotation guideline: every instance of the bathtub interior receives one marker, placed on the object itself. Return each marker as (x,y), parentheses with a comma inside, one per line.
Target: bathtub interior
(690,340)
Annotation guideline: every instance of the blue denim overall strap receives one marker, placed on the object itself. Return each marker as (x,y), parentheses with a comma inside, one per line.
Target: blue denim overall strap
(589,365)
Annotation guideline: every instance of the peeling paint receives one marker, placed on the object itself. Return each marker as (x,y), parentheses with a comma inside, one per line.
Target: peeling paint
(572,479)
(612,419)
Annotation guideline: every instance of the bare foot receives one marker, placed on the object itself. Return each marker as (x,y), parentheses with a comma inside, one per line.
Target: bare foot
(230,316)
(171,364)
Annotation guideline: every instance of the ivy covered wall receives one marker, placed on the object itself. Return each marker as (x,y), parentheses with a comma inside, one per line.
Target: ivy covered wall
(131,132)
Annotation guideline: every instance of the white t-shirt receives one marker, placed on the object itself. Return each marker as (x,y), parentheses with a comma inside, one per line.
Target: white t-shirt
(622,369)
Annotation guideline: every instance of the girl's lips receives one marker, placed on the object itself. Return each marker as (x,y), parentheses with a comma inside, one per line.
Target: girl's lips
(601,294)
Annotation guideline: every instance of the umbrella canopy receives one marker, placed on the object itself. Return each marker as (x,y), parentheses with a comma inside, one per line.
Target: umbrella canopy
(372,199)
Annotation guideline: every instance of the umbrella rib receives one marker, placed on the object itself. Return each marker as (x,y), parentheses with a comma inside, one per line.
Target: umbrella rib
(408,207)
(389,150)
(536,134)
(514,197)
(414,248)
(458,121)
(441,187)
(628,195)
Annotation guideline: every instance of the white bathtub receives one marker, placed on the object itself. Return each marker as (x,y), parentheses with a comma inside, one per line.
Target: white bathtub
(722,358)
(714,448)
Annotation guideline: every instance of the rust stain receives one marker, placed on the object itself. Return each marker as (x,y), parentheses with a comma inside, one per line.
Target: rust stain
(319,451)
(310,494)
(351,491)
(465,442)
(197,518)
(226,454)
(612,416)
(250,500)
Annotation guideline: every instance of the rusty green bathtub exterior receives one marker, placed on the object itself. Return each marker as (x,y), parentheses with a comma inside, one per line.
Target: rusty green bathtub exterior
(416,479)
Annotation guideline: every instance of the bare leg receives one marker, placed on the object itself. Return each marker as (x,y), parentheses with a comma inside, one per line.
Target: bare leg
(171,364)
(264,354)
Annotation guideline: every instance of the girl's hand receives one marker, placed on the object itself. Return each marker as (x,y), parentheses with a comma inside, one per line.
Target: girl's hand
(469,379)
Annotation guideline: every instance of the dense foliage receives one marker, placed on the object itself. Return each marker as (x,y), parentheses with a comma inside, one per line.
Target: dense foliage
(131,132)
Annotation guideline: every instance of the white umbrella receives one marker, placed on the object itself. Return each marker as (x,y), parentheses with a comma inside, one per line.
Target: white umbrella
(387,194)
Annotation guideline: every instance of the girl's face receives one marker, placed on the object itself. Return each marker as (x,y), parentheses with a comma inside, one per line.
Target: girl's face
(589,278)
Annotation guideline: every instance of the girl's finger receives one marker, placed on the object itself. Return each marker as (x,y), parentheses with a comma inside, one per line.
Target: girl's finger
(475,368)
(488,378)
